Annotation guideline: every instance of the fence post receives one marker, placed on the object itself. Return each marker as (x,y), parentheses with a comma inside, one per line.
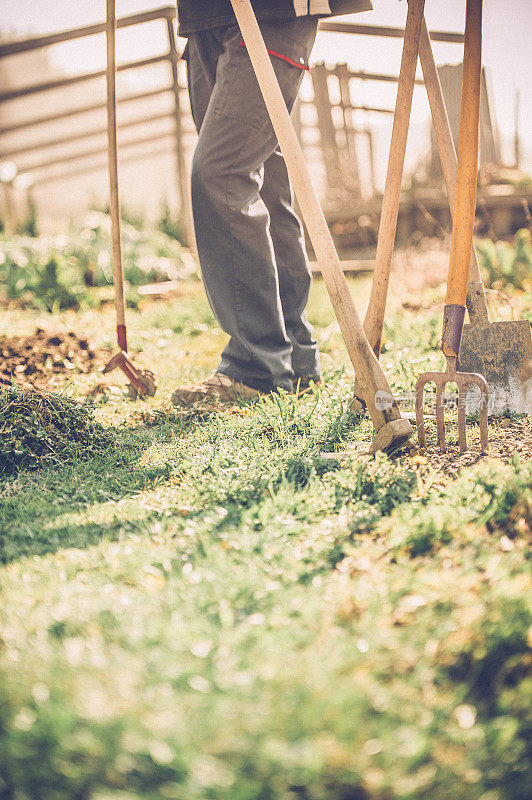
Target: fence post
(182,177)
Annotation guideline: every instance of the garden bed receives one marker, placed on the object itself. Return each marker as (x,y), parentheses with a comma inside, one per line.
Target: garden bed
(33,361)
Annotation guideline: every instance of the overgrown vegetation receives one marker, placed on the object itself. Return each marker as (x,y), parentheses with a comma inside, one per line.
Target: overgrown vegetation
(55,273)
(508,264)
(219,606)
(43,429)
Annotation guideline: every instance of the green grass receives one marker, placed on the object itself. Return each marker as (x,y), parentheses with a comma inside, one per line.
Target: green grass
(212,608)
(507,265)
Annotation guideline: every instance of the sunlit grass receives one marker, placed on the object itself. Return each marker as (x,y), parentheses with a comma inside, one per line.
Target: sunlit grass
(218,607)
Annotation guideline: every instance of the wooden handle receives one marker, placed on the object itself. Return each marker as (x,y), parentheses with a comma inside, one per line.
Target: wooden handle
(466,182)
(374,386)
(114,202)
(442,130)
(476,296)
(374,321)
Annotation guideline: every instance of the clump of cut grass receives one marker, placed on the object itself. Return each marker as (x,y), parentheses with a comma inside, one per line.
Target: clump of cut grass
(40,429)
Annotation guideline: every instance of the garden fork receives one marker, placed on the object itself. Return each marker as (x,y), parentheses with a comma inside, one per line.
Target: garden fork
(463,225)
(463,381)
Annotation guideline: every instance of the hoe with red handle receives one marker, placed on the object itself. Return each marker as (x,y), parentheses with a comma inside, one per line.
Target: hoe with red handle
(142,382)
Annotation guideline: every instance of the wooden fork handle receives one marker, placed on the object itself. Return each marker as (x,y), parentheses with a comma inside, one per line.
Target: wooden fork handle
(466,183)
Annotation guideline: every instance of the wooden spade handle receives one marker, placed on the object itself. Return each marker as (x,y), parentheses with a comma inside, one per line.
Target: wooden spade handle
(466,183)
(373,383)
(374,321)
(442,130)
(114,202)
(476,295)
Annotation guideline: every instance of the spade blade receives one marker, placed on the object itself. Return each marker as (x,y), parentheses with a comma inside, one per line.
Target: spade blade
(502,352)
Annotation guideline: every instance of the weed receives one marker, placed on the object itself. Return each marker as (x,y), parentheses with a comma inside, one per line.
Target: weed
(169,224)
(39,429)
(29,225)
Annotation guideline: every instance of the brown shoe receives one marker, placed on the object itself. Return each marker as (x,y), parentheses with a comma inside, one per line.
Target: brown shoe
(219,387)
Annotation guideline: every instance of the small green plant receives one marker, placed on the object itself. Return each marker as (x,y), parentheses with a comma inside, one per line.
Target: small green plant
(29,225)
(169,223)
(54,285)
(507,264)
(57,272)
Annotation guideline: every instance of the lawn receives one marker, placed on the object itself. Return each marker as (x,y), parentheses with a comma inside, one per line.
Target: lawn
(219,604)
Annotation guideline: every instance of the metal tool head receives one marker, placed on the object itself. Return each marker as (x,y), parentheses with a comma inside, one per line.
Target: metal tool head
(142,382)
(502,352)
(463,380)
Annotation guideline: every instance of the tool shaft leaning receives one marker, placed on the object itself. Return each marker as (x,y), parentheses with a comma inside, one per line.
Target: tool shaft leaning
(114,202)
(466,182)
(372,379)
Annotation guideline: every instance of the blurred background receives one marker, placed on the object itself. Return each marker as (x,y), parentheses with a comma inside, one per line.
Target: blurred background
(52,116)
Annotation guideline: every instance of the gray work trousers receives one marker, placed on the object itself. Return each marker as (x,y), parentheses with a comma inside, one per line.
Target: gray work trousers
(249,240)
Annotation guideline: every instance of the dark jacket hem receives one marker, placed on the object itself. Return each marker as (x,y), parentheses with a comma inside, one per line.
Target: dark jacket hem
(339,8)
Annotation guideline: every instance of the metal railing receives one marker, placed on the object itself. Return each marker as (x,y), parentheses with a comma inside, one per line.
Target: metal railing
(172,56)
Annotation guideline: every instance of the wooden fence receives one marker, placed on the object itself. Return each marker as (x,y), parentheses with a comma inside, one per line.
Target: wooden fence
(76,163)
(345,148)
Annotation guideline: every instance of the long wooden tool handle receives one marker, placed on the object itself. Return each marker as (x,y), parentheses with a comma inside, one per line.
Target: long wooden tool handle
(466,183)
(373,383)
(114,202)
(478,309)
(374,321)
(442,128)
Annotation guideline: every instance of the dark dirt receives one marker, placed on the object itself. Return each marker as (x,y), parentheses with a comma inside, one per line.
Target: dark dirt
(36,361)
(507,437)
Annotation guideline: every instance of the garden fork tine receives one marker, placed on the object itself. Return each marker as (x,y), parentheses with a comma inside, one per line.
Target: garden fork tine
(463,224)
(463,381)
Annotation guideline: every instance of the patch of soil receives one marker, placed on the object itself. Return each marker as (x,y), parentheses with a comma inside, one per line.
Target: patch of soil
(506,438)
(33,361)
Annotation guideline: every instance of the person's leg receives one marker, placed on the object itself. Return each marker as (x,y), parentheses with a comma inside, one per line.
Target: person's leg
(231,218)
(292,266)
(201,56)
